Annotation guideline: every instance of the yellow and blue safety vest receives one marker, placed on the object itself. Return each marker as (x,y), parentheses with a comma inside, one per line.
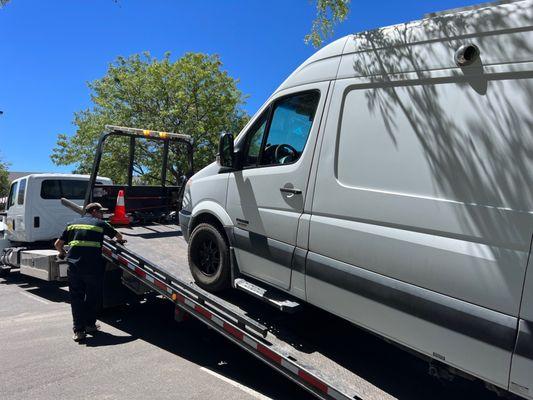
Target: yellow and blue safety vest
(85,236)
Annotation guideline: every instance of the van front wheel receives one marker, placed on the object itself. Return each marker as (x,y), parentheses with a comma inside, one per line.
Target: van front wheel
(209,258)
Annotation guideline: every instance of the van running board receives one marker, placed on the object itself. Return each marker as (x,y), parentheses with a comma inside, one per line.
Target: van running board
(272,297)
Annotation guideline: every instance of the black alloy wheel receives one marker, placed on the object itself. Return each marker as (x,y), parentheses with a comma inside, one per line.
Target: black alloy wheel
(208,255)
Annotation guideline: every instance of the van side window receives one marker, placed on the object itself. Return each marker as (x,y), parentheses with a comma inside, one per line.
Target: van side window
(22,191)
(287,128)
(12,194)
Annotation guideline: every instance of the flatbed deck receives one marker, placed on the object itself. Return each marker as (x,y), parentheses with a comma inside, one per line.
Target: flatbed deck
(360,365)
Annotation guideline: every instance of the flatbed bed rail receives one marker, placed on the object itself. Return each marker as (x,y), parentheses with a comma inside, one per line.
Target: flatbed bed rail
(241,330)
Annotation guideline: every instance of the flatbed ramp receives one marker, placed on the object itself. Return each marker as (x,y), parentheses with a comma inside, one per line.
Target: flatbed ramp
(311,347)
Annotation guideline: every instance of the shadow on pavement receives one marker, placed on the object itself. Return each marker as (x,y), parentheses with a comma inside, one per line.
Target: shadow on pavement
(56,292)
(153,322)
(103,338)
(393,370)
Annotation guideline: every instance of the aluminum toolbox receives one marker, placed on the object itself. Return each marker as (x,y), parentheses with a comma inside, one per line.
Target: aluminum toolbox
(43,264)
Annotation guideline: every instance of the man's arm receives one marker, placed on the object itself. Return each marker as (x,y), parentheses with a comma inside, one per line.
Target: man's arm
(113,233)
(60,246)
(119,237)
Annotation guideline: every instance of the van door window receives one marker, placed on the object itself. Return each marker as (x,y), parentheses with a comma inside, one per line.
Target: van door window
(288,127)
(291,123)
(12,194)
(22,192)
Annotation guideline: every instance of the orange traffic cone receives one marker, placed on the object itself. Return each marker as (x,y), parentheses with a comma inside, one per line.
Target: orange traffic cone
(119,217)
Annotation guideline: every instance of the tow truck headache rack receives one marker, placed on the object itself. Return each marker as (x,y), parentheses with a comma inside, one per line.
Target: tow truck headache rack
(146,202)
(241,330)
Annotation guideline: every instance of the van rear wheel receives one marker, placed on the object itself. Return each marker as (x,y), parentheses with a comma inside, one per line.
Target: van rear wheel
(208,255)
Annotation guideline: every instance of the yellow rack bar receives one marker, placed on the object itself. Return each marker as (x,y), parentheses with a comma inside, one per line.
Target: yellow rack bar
(148,133)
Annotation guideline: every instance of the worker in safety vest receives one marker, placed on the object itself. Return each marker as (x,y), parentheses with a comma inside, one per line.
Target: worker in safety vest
(86,266)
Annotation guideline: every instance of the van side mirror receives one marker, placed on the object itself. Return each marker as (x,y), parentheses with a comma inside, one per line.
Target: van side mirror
(226,154)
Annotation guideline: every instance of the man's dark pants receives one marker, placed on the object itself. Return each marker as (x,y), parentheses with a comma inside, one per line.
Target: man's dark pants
(85,295)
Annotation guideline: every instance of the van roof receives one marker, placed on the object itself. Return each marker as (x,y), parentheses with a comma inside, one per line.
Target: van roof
(324,64)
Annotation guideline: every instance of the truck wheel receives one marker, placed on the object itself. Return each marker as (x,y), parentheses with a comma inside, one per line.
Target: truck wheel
(209,258)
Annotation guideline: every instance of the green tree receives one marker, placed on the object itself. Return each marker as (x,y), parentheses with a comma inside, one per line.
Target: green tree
(328,13)
(4,178)
(192,95)
(3,2)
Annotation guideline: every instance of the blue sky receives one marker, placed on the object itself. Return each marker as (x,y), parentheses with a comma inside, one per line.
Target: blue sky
(50,49)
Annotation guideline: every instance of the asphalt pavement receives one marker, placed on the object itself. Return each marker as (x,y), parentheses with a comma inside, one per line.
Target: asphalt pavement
(143,353)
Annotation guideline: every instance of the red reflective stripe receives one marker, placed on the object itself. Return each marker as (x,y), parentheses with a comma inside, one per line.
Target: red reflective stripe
(234,331)
(140,272)
(180,298)
(106,251)
(122,260)
(269,353)
(203,311)
(160,284)
(313,381)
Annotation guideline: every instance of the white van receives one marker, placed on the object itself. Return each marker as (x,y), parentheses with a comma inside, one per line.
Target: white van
(389,180)
(34,210)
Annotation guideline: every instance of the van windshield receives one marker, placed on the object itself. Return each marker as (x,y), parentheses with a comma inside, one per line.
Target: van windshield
(54,189)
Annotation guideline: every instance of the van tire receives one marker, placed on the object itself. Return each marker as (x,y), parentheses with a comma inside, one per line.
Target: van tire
(208,255)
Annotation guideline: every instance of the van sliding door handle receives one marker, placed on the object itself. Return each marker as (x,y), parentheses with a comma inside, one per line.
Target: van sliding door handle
(290,190)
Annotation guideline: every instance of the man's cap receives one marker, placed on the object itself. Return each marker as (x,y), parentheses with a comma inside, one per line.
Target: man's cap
(94,206)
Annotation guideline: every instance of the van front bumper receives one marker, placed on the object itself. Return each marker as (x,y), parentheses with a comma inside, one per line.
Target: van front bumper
(185,219)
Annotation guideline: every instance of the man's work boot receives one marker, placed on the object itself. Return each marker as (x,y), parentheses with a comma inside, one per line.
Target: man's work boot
(79,336)
(91,330)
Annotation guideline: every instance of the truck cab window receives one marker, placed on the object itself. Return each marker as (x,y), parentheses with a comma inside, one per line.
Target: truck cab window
(12,194)
(51,189)
(54,189)
(73,190)
(21,192)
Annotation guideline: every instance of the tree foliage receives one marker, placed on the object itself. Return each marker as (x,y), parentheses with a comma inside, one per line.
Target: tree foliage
(3,2)
(4,178)
(192,95)
(328,13)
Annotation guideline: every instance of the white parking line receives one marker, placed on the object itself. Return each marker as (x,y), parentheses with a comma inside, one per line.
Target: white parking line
(245,389)
(33,297)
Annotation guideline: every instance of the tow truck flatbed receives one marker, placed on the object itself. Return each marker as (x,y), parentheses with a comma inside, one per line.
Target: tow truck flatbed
(326,355)
(164,254)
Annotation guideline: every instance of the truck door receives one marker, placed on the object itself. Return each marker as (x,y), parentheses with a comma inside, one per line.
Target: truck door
(15,211)
(266,198)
